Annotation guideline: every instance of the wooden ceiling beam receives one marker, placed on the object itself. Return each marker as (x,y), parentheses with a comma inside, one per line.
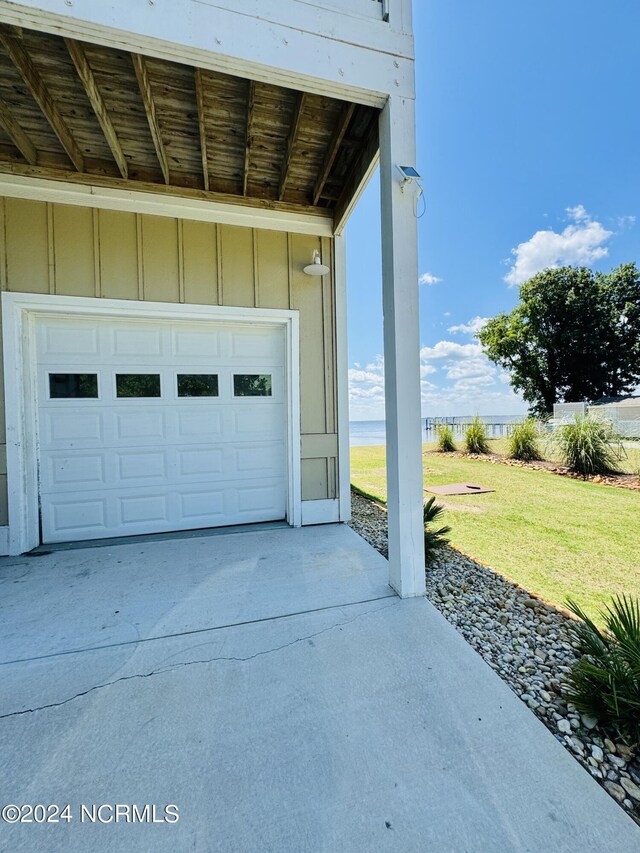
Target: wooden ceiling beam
(79,58)
(291,141)
(17,135)
(144,84)
(38,89)
(202,126)
(359,173)
(182,195)
(251,97)
(332,151)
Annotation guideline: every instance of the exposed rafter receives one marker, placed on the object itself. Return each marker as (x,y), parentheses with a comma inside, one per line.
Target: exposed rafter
(68,113)
(17,135)
(332,152)
(247,150)
(203,127)
(360,173)
(27,70)
(77,54)
(291,141)
(144,84)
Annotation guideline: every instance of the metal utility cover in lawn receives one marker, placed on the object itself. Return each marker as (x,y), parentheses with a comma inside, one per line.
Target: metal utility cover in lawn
(458,489)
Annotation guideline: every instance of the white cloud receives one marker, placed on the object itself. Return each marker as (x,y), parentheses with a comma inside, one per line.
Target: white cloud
(428,278)
(461,381)
(366,390)
(472,367)
(377,363)
(578,213)
(471,328)
(581,242)
(364,376)
(450,350)
(426,369)
(367,393)
(473,382)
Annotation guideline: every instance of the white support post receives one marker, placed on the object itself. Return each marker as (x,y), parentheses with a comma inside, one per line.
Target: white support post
(342,368)
(401,350)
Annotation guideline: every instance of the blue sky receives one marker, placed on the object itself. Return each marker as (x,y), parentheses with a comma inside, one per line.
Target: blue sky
(529,147)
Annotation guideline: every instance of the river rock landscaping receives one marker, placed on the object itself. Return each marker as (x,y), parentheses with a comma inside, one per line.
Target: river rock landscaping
(527,642)
(621,480)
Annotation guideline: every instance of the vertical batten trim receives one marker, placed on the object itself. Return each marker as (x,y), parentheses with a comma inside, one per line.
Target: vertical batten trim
(51,252)
(181,285)
(4,272)
(256,269)
(140,256)
(329,337)
(290,267)
(219,264)
(97,270)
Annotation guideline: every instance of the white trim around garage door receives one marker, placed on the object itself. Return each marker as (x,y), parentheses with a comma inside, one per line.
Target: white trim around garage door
(19,311)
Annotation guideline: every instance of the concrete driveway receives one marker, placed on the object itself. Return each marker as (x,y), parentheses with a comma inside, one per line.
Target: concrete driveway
(270,686)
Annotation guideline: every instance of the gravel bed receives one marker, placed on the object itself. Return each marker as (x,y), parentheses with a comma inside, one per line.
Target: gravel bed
(527,642)
(621,481)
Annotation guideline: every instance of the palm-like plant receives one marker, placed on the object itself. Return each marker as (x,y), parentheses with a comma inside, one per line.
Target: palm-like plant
(605,683)
(431,513)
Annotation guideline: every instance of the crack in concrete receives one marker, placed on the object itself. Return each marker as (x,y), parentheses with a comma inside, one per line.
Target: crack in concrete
(176,666)
(208,630)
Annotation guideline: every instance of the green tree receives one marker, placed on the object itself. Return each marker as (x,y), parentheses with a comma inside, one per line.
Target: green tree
(574,335)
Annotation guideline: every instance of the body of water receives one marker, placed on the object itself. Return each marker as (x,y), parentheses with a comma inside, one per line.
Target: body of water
(364,433)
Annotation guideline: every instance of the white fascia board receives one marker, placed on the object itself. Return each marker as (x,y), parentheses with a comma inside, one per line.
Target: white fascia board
(344,25)
(163,204)
(248,44)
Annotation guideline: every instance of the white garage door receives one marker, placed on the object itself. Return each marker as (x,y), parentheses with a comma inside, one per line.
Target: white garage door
(148,426)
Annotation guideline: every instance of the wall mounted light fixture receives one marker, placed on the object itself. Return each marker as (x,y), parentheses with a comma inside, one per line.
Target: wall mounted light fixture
(410,175)
(316,267)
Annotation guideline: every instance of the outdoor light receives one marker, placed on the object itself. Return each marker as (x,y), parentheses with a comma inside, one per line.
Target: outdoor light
(409,174)
(316,267)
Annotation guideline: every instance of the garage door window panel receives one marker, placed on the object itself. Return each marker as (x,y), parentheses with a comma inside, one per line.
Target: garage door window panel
(73,386)
(197,385)
(252,385)
(145,385)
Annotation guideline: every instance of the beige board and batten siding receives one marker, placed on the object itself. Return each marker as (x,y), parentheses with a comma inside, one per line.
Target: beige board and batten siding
(78,251)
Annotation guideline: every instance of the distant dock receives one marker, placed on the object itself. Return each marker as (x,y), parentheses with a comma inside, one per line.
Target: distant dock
(498,428)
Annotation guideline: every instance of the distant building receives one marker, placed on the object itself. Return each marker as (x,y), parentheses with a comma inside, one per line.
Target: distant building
(622,411)
(618,408)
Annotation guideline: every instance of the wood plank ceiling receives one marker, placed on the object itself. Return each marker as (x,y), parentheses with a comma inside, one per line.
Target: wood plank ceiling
(70,108)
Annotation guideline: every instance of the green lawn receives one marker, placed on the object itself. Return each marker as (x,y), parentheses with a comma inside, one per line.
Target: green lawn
(555,536)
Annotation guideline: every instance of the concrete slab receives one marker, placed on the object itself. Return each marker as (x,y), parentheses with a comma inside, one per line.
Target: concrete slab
(70,600)
(362,726)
